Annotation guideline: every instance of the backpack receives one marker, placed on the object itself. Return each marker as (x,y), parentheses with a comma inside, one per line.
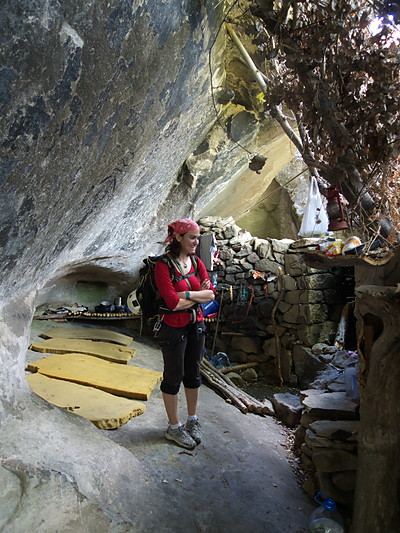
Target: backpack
(147,294)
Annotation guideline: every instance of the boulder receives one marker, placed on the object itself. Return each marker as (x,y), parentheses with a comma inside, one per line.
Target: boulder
(313,313)
(329,460)
(237,356)
(245,344)
(345,430)
(289,283)
(281,246)
(288,408)
(299,436)
(315,442)
(269,348)
(253,258)
(241,238)
(266,265)
(317,281)
(263,248)
(336,387)
(233,269)
(306,364)
(323,332)
(326,485)
(265,307)
(304,297)
(236,379)
(226,253)
(244,251)
(249,375)
(231,231)
(343,359)
(294,265)
(329,374)
(210,221)
(332,406)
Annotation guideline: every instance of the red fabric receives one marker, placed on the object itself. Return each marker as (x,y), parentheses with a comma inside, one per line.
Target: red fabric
(168,291)
(180,227)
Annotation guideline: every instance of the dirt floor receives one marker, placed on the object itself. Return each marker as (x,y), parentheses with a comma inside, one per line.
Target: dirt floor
(239,479)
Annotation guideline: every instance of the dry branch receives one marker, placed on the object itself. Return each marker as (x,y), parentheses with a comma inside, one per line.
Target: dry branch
(237,396)
(235,368)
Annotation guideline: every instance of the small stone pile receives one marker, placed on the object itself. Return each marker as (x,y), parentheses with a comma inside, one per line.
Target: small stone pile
(305,303)
(327,434)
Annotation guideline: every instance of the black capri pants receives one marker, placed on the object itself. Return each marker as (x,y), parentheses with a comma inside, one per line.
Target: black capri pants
(182,350)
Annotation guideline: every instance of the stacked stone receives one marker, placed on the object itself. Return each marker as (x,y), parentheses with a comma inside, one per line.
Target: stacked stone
(302,317)
(306,328)
(327,434)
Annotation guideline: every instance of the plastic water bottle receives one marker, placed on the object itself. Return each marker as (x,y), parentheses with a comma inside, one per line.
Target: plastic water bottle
(220,360)
(326,518)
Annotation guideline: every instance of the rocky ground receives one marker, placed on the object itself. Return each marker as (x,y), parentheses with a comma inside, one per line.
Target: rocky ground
(131,479)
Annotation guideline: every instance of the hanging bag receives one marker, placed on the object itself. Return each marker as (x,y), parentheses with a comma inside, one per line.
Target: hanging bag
(315,219)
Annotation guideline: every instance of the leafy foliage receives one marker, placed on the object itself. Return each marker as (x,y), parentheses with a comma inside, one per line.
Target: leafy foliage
(340,81)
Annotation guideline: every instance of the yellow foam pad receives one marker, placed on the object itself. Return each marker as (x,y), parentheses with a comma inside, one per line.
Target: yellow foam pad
(128,381)
(104,350)
(105,410)
(87,333)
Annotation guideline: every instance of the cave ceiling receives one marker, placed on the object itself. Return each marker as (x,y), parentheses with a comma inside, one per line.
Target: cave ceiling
(112,127)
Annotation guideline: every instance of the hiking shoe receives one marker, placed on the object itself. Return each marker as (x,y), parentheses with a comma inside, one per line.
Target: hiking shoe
(194,429)
(181,437)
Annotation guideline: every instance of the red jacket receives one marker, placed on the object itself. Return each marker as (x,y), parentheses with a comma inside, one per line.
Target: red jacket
(168,291)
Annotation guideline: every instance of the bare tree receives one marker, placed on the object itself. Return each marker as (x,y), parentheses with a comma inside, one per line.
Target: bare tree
(331,79)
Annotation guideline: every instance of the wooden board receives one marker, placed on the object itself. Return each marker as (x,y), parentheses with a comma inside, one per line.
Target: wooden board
(94,334)
(128,381)
(104,350)
(105,410)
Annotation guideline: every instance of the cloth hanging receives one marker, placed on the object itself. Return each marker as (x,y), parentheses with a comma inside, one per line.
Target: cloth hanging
(207,249)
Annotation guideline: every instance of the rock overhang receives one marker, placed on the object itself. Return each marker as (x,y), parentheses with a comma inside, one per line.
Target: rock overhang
(95,137)
(95,132)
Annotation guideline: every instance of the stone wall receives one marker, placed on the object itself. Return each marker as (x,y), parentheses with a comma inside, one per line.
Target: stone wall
(326,438)
(272,272)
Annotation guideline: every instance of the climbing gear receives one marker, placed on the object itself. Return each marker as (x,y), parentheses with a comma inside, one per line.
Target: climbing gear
(181,437)
(147,294)
(243,303)
(186,276)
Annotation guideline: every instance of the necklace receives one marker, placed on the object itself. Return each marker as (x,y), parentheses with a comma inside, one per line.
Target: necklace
(183,264)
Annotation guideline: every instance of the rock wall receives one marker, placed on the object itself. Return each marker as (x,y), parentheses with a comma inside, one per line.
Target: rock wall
(105,106)
(109,133)
(103,102)
(306,303)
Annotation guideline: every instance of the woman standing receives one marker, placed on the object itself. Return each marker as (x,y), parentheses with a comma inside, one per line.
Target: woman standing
(182,332)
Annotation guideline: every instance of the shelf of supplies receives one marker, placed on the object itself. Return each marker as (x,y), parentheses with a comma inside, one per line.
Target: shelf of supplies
(88,316)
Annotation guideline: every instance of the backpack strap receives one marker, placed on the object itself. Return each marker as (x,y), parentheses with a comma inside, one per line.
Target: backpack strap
(172,265)
(183,275)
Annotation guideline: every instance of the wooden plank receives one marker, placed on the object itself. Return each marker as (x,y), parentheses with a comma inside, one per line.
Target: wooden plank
(94,334)
(123,380)
(235,368)
(104,350)
(105,410)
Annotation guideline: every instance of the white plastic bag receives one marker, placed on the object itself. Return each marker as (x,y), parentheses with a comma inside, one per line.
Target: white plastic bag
(315,219)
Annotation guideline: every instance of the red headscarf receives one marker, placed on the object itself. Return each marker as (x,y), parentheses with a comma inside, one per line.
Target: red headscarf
(179,227)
